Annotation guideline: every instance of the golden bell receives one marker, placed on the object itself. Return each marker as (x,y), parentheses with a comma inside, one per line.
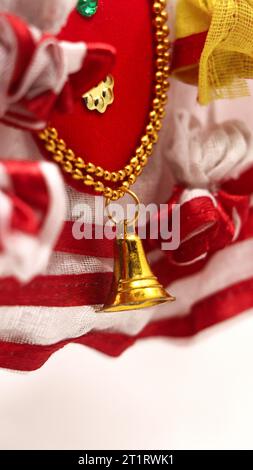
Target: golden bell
(134,285)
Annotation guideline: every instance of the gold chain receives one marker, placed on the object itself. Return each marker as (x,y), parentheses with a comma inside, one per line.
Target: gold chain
(97,177)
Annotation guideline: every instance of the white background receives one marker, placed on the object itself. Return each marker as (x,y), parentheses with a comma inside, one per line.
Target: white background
(195,394)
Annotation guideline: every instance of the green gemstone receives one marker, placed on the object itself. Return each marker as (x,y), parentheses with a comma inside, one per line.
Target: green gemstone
(87,7)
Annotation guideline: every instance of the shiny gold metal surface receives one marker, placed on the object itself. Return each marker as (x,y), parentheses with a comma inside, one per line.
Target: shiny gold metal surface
(101,96)
(134,285)
(134,220)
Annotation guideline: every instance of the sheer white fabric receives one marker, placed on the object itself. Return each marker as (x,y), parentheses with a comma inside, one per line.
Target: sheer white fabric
(202,157)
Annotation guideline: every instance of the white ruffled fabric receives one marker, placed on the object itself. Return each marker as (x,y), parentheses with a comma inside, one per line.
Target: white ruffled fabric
(203,156)
(49,70)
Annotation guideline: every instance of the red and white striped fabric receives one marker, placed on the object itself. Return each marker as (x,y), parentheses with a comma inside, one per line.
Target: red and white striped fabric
(58,306)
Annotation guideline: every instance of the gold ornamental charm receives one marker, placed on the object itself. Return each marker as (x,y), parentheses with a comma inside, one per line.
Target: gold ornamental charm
(134,285)
(100,97)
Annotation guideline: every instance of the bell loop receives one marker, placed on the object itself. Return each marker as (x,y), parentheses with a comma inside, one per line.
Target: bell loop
(129,222)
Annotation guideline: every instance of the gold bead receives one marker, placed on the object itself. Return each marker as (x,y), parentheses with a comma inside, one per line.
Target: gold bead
(160,50)
(140,151)
(159,76)
(52,132)
(134,161)
(67,167)
(88,180)
(160,63)
(157,7)
(121,193)
(108,192)
(70,155)
(107,175)
(158,21)
(161,113)
(138,170)
(166,30)
(122,175)
(154,137)
(153,116)
(156,103)
(144,160)
(80,163)
(99,187)
(115,195)
(166,71)
(90,168)
(43,135)
(163,3)
(166,56)
(164,98)
(77,174)
(145,140)
(99,172)
(158,89)
(166,85)
(50,146)
(149,149)
(166,43)
(128,170)
(61,145)
(132,179)
(58,156)
(126,184)
(164,15)
(114,177)
(150,129)
(159,36)
(158,125)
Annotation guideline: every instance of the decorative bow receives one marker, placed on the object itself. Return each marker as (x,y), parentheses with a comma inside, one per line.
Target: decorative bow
(213,168)
(32,202)
(208,222)
(213,47)
(39,72)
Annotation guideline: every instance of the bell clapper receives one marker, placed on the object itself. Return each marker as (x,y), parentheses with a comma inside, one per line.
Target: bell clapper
(134,285)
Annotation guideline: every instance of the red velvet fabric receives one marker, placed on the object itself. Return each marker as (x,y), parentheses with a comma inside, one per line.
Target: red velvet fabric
(109,139)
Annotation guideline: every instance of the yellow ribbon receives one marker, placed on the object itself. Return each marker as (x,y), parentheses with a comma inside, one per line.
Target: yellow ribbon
(227,58)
